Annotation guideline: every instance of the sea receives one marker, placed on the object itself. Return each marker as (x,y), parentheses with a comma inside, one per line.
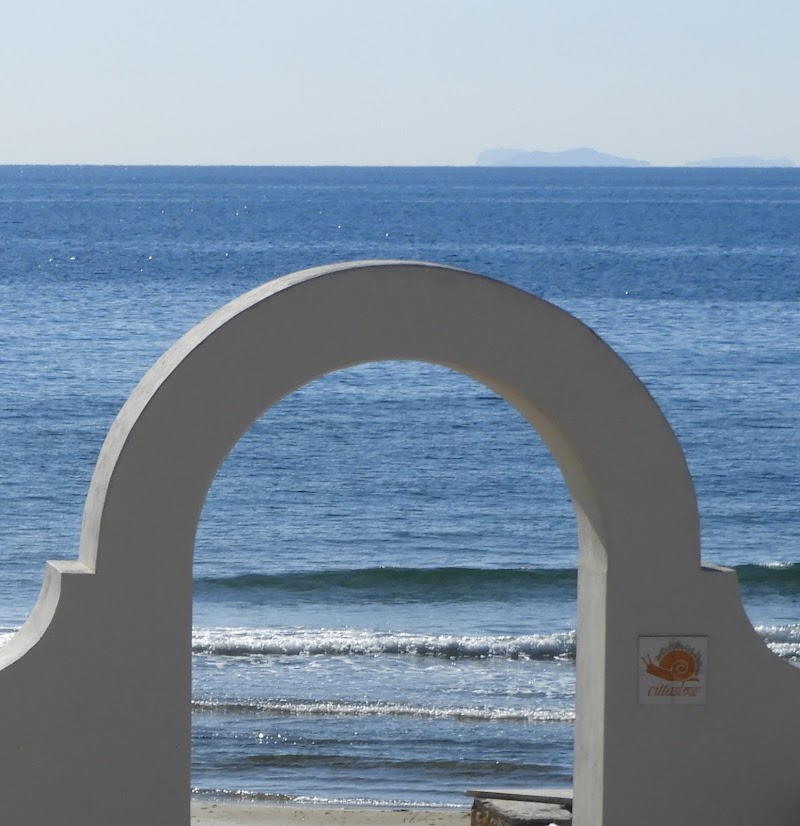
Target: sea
(385,575)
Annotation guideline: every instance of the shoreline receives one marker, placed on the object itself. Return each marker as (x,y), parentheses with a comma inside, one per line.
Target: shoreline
(210,812)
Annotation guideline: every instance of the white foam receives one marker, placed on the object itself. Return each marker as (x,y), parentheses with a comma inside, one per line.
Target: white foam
(349,642)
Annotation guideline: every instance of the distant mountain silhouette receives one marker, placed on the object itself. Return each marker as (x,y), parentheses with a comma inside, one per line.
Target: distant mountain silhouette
(567,157)
(744,160)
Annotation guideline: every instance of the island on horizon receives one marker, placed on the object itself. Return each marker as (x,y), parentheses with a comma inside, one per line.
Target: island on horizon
(567,157)
(591,157)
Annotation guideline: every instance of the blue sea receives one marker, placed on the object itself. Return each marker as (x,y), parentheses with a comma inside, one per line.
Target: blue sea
(385,567)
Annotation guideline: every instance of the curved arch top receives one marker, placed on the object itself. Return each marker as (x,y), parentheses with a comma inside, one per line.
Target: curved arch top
(621,461)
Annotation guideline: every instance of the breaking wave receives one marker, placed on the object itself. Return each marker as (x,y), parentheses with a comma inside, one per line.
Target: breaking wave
(458,584)
(390,584)
(244,642)
(324,708)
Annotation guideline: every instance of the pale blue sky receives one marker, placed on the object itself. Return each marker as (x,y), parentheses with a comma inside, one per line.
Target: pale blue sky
(384,82)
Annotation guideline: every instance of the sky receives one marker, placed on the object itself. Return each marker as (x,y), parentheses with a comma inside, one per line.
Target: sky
(380,82)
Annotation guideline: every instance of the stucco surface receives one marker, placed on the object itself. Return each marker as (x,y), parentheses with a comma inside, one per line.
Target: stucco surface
(95,689)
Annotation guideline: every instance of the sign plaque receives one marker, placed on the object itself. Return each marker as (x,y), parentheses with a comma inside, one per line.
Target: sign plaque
(673,670)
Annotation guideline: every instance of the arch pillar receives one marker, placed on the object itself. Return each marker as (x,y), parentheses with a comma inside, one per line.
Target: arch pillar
(95,689)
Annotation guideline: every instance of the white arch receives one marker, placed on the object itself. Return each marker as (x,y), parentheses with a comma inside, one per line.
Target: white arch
(95,689)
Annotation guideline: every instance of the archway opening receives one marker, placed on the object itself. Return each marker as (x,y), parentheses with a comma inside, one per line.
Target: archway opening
(384,607)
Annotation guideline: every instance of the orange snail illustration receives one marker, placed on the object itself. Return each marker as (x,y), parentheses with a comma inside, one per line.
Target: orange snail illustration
(675,664)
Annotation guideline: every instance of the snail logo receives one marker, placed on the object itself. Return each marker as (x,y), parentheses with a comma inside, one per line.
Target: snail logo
(675,664)
(672,670)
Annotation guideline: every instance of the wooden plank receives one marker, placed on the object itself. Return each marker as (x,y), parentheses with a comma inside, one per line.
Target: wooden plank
(561,797)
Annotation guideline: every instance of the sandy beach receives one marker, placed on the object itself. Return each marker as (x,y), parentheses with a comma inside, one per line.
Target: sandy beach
(212,813)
